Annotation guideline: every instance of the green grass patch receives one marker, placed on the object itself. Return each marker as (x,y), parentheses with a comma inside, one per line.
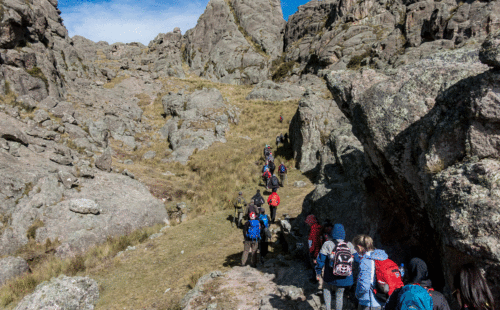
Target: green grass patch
(37,73)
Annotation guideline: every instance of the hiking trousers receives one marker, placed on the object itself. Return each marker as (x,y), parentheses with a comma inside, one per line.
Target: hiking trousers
(238,216)
(328,291)
(282,178)
(272,211)
(250,246)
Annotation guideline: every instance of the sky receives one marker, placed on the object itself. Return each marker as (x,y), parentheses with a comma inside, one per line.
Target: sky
(137,20)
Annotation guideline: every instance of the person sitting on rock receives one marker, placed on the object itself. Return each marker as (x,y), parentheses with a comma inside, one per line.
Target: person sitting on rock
(251,234)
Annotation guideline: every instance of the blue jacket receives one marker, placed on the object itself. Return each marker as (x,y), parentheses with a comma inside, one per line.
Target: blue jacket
(366,278)
(323,260)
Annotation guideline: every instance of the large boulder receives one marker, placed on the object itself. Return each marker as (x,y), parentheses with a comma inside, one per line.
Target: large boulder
(270,91)
(429,133)
(76,293)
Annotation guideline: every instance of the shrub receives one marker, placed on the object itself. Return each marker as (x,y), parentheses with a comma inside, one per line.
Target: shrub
(31,232)
(37,73)
(283,70)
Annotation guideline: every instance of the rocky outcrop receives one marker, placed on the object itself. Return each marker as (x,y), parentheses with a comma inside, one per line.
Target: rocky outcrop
(165,54)
(263,22)
(217,50)
(428,132)
(64,292)
(348,34)
(198,120)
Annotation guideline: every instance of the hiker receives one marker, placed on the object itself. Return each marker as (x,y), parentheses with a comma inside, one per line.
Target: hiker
(271,164)
(418,275)
(258,200)
(363,245)
(326,231)
(265,167)
(265,235)
(266,176)
(337,257)
(471,289)
(282,138)
(278,141)
(273,201)
(251,208)
(251,233)
(274,183)
(314,242)
(283,172)
(281,118)
(285,138)
(238,209)
(267,151)
(270,159)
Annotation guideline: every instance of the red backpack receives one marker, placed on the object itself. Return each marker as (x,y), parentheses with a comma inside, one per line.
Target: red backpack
(386,273)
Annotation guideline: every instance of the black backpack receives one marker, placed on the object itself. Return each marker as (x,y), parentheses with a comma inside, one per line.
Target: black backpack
(274,181)
(271,166)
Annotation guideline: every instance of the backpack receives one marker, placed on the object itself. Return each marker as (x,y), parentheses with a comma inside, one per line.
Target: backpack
(413,296)
(266,174)
(267,152)
(387,273)
(240,203)
(274,201)
(341,259)
(266,167)
(254,230)
(264,219)
(274,182)
(271,166)
(282,168)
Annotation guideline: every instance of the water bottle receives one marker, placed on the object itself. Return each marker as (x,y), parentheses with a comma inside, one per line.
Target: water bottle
(402,270)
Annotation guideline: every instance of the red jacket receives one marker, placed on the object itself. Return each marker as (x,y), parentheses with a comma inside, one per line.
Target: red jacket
(273,200)
(315,239)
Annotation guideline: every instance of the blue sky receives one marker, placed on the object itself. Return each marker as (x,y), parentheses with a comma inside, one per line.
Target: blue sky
(137,21)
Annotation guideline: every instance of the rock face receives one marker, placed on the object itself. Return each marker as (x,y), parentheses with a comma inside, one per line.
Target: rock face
(428,131)
(199,119)
(64,292)
(263,22)
(217,50)
(11,267)
(165,53)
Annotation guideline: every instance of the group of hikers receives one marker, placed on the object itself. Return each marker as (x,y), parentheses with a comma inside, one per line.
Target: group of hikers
(256,230)
(381,283)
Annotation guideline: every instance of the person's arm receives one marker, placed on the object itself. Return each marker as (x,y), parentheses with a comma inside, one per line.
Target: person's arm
(320,263)
(364,277)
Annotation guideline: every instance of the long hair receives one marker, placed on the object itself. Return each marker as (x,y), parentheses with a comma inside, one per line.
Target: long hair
(365,241)
(473,289)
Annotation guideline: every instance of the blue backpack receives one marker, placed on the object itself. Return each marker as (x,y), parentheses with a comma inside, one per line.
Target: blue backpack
(282,168)
(253,232)
(265,168)
(264,219)
(414,297)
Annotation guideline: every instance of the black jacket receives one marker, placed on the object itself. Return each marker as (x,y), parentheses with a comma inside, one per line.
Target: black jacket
(417,273)
(258,200)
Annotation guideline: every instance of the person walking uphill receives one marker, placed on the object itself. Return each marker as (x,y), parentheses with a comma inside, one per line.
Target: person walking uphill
(337,257)
(258,200)
(239,204)
(251,233)
(314,241)
(273,201)
(363,244)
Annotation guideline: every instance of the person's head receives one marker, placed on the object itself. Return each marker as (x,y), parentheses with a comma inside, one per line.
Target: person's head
(252,215)
(258,191)
(363,244)
(240,193)
(262,210)
(417,271)
(338,232)
(251,201)
(471,289)
(311,219)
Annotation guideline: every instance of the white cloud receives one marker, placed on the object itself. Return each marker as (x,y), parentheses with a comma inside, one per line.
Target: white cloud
(130,21)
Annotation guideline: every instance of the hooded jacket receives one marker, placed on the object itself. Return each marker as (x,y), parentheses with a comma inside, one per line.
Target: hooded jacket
(366,278)
(338,233)
(258,200)
(418,274)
